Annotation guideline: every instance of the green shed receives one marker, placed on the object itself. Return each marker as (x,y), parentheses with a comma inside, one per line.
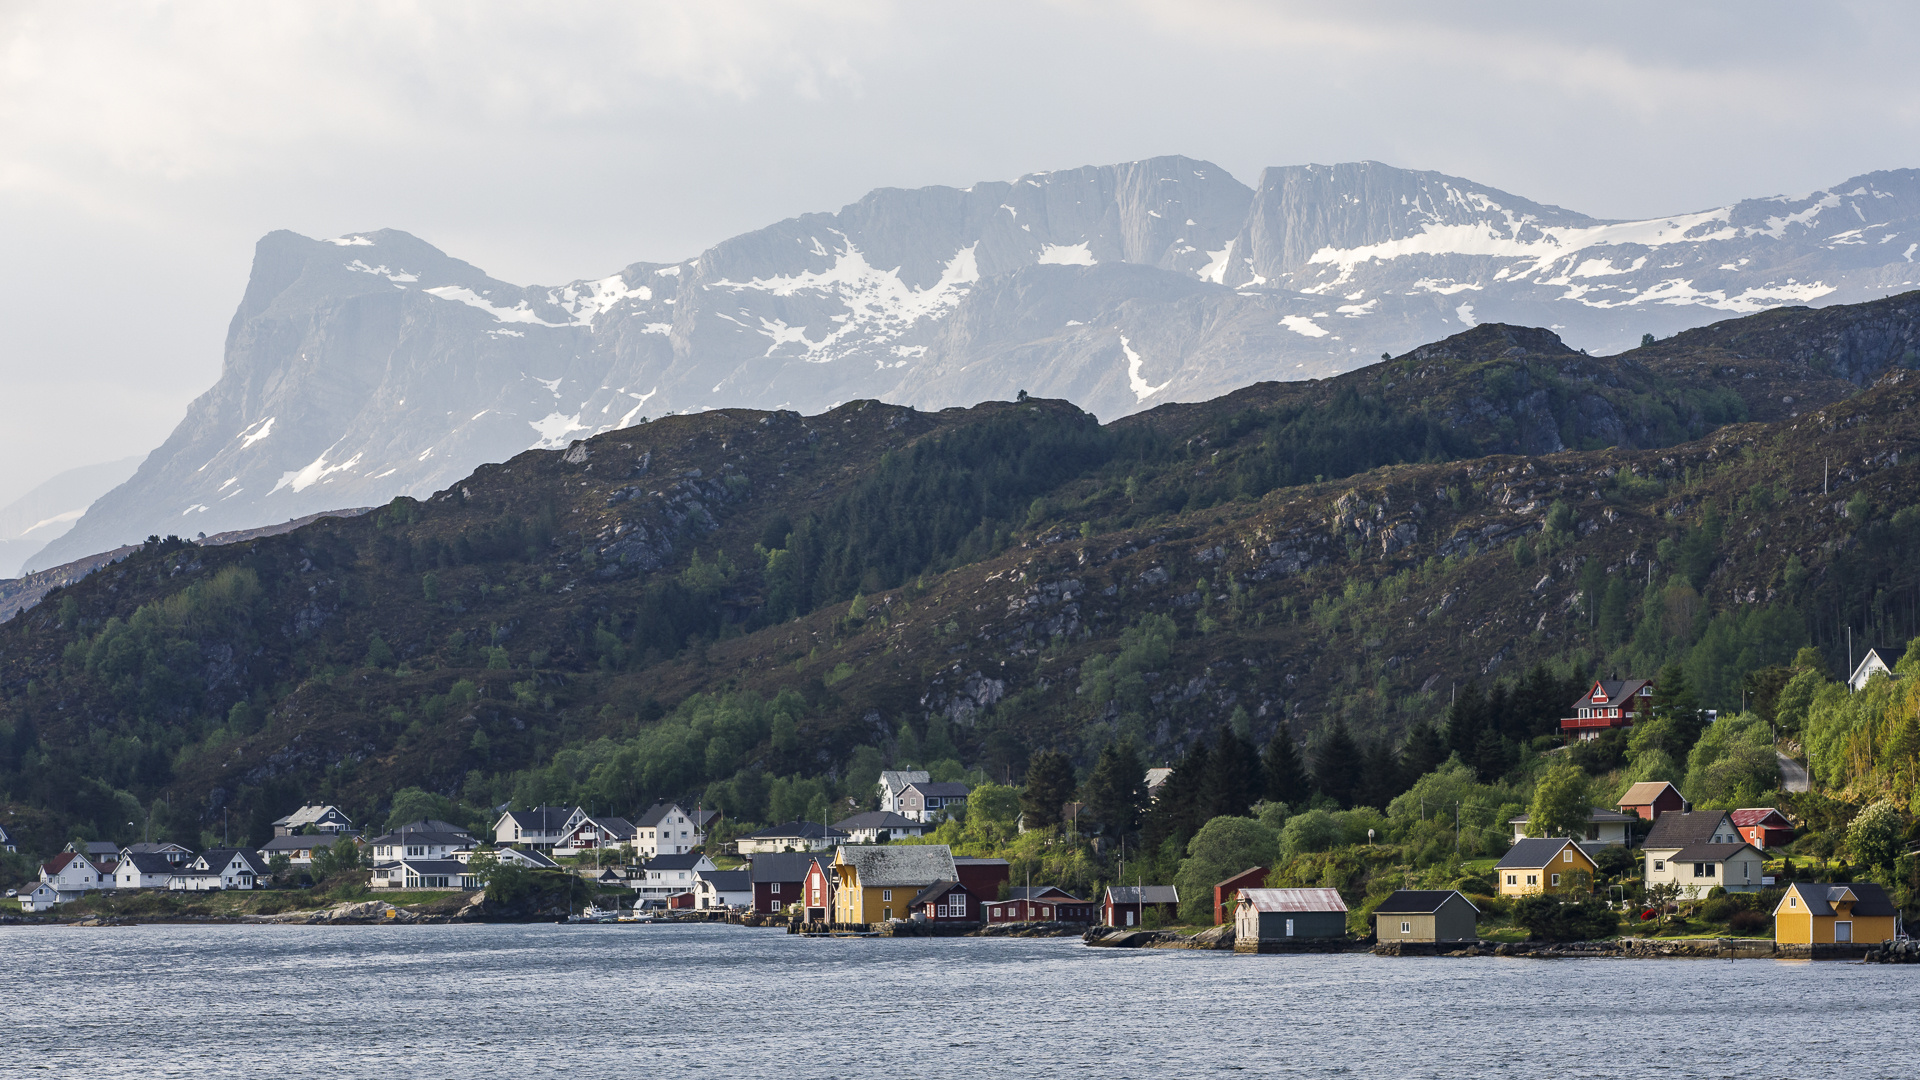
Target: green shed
(1289,914)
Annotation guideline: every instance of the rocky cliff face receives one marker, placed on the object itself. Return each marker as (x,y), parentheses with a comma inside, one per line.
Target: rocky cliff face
(371,365)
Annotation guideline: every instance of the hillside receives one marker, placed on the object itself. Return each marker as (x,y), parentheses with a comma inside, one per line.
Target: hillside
(877,583)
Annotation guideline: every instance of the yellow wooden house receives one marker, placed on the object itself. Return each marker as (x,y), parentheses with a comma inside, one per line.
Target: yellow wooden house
(877,883)
(1544,864)
(1818,912)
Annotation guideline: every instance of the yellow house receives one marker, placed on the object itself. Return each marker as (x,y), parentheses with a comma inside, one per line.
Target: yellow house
(876,884)
(1818,912)
(1544,864)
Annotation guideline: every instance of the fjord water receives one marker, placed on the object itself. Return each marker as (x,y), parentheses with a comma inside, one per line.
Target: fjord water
(520,1001)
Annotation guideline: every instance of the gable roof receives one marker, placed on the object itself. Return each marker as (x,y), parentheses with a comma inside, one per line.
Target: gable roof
(1419,901)
(727,880)
(785,865)
(1711,852)
(1053,893)
(449,867)
(656,813)
(540,819)
(1682,828)
(59,862)
(974,860)
(1293,899)
(155,848)
(1645,792)
(877,819)
(794,830)
(703,818)
(1758,815)
(941,789)
(898,779)
(617,827)
(1534,853)
(300,843)
(219,859)
(522,856)
(916,865)
(1595,815)
(430,825)
(1818,897)
(1612,692)
(309,815)
(1137,894)
(1869,664)
(424,837)
(1261,870)
(684,861)
(936,892)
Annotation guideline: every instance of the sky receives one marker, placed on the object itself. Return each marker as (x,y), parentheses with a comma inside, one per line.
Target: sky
(145,147)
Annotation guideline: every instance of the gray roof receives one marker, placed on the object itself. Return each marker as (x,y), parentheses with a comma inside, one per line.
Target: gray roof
(1151,894)
(654,813)
(936,891)
(1042,892)
(913,865)
(423,836)
(147,863)
(1819,897)
(727,880)
(969,860)
(1707,852)
(1533,853)
(793,830)
(146,848)
(452,867)
(942,789)
(877,819)
(900,778)
(786,865)
(301,843)
(1679,828)
(617,827)
(218,858)
(664,861)
(431,825)
(308,815)
(1418,901)
(1597,813)
(538,860)
(541,819)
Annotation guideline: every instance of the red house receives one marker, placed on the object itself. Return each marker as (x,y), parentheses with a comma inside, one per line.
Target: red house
(816,890)
(1127,905)
(1251,878)
(778,878)
(1042,903)
(983,877)
(1763,827)
(1607,704)
(947,902)
(1651,798)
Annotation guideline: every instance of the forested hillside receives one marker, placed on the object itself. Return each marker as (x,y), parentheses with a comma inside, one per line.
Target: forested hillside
(762,610)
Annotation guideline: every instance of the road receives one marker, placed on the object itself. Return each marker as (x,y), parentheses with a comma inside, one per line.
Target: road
(1793,775)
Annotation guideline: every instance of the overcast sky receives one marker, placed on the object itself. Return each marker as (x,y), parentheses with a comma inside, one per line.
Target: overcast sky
(145,147)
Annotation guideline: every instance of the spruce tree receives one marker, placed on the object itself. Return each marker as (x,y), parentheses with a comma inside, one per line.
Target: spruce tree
(1286,775)
(1116,789)
(1465,718)
(1380,774)
(1234,781)
(1049,787)
(1424,751)
(1336,764)
(1179,809)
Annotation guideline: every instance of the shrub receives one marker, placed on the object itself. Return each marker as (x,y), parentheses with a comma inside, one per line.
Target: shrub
(1546,918)
(1747,922)
(1719,909)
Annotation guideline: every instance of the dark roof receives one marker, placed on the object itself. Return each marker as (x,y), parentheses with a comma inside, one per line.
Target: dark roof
(877,819)
(422,836)
(934,892)
(1870,899)
(58,862)
(1595,814)
(786,865)
(219,858)
(1707,852)
(1152,894)
(617,827)
(453,867)
(147,862)
(703,818)
(1680,828)
(969,860)
(431,825)
(1052,893)
(728,880)
(796,830)
(541,819)
(899,866)
(942,789)
(297,843)
(674,862)
(1417,901)
(1534,853)
(536,858)
(654,813)
(1617,690)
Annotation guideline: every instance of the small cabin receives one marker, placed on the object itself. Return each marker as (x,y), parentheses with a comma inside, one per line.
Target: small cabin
(1426,915)
(1289,915)
(1816,912)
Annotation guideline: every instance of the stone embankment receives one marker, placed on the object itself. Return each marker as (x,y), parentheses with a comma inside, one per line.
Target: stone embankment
(1113,937)
(1906,951)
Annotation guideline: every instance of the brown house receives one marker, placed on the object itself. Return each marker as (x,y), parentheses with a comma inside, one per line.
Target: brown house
(1041,903)
(1251,878)
(1763,827)
(1127,905)
(947,902)
(1651,798)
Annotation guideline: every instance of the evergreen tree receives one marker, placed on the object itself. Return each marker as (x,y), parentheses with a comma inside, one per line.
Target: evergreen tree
(1380,774)
(1336,764)
(1492,756)
(1116,789)
(1234,781)
(1673,700)
(1424,751)
(1465,718)
(1286,776)
(1179,809)
(1049,787)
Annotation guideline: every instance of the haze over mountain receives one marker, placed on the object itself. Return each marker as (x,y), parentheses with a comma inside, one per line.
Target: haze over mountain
(372,364)
(29,522)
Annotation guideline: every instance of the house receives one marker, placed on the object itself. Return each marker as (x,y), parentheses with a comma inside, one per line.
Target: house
(878,884)
(173,853)
(816,889)
(705,821)
(1651,798)
(425,839)
(870,827)
(948,902)
(1707,835)
(667,876)
(6,841)
(1608,704)
(1763,827)
(143,871)
(218,869)
(526,857)
(1426,915)
(1697,868)
(790,836)
(42,897)
(538,828)
(930,800)
(98,851)
(1041,903)
(776,878)
(1127,905)
(1544,864)
(1289,914)
(982,877)
(300,849)
(894,782)
(1156,779)
(72,875)
(723,889)
(1605,828)
(323,819)
(1870,665)
(424,874)
(1224,892)
(583,834)
(666,829)
(1818,912)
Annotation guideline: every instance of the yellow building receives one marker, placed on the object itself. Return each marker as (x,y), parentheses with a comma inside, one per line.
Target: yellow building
(1544,864)
(876,884)
(1815,912)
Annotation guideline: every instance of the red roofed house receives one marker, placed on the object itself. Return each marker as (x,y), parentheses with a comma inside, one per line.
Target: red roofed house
(1607,704)
(1251,878)
(1651,798)
(1763,827)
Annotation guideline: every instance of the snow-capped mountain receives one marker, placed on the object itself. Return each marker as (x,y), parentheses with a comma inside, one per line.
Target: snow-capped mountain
(371,364)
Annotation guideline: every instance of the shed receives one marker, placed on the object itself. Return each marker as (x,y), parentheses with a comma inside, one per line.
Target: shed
(1127,905)
(1289,914)
(1426,915)
(1849,911)
(1223,893)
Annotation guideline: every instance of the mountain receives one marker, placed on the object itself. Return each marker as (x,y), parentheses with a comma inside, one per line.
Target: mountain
(738,605)
(30,522)
(371,364)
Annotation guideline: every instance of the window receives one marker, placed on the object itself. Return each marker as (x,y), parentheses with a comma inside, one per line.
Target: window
(886,894)
(775,889)
(1406,928)
(1556,880)
(1793,901)
(1699,869)
(1566,856)
(1533,879)
(1711,869)
(1513,879)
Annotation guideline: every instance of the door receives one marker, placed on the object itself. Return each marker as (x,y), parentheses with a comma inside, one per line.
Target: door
(1843,931)
(1289,927)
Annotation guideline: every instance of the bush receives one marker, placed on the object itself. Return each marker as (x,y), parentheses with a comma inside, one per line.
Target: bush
(1718,909)
(1546,918)
(1748,922)
(1472,885)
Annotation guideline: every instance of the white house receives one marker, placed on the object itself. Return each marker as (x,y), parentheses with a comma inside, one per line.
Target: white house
(300,850)
(790,836)
(1697,868)
(173,853)
(866,828)
(895,782)
(723,889)
(6,840)
(1605,828)
(426,839)
(667,876)
(540,827)
(929,800)
(42,897)
(583,834)
(532,860)
(1870,665)
(72,875)
(221,868)
(143,871)
(666,829)
(326,819)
